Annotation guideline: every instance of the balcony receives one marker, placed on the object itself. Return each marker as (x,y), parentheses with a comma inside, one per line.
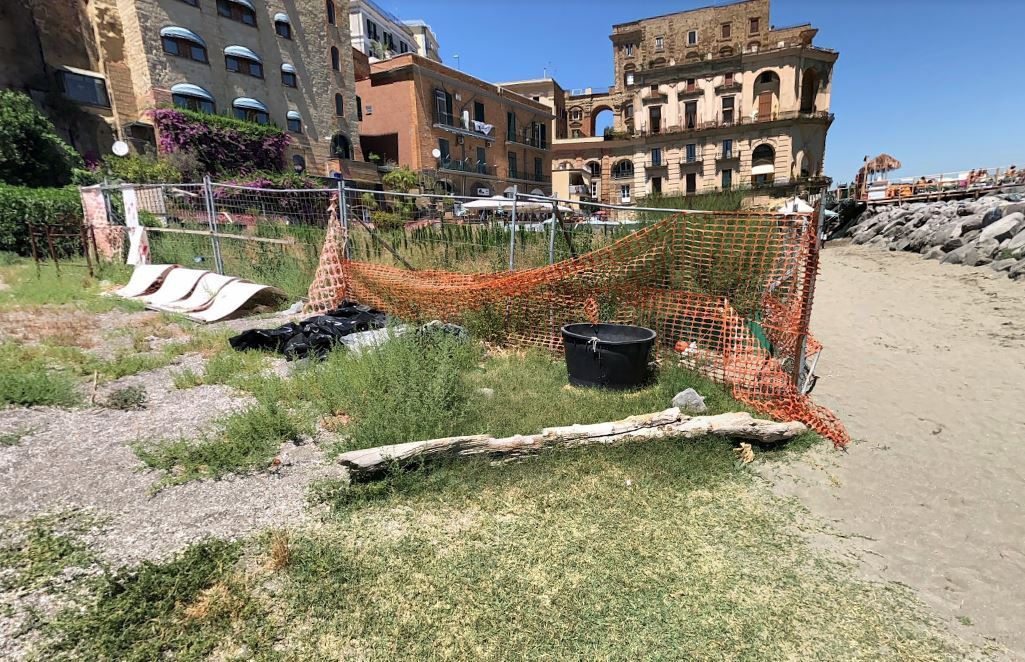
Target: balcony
(466,166)
(692,124)
(690,92)
(622,174)
(579,189)
(727,154)
(454,124)
(649,96)
(526,139)
(660,164)
(691,161)
(733,85)
(527,176)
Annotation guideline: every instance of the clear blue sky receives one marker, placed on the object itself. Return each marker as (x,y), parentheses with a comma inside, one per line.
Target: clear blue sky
(939,84)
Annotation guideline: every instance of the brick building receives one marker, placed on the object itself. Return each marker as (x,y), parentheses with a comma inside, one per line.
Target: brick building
(463,135)
(705,99)
(286,62)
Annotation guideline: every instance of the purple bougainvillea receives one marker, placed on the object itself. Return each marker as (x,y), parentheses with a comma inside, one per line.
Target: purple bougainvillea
(221,144)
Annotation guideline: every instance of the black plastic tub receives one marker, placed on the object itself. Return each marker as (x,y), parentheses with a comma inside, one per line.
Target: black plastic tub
(613,356)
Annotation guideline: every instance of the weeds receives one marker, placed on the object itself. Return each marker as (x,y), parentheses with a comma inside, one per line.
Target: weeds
(34,552)
(127,398)
(14,437)
(244,441)
(27,381)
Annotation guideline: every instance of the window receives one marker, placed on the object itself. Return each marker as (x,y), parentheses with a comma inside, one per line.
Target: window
(510,122)
(512,165)
(630,78)
(727,30)
(690,114)
(359,109)
(575,114)
(282,26)
(629,48)
(84,89)
(624,193)
(691,153)
(628,111)
(659,43)
(341,148)
(478,111)
(692,183)
(691,85)
(242,61)
(482,160)
(728,80)
(727,109)
(295,123)
(576,133)
(727,178)
(298,163)
(339,105)
(237,11)
(656,185)
(594,167)
(336,62)
(594,189)
(539,171)
(445,149)
(442,107)
(753,25)
(371,30)
(623,170)
(288,77)
(656,156)
(655,119)
(194,3)
(192,97)
(403,48)
(692,38)
(183,43)
(331,11)
(727,148)
(250,110)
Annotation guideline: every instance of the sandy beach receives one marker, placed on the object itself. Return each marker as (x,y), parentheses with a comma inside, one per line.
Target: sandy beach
(925,363)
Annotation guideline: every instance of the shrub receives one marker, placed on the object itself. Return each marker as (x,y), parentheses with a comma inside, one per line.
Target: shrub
(56,206)
(401,179)
(221,144)
(127,398)
(140,169)
(31,152)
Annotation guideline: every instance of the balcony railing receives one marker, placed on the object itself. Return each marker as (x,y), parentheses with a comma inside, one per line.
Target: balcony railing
(466,166)
(691,92)
(732,85)
(693,159)
(622,174)
(579,189)
(654,96)
(727,154)
(656,163)
(643,128)
(454,123)
(526,138)
(529,176)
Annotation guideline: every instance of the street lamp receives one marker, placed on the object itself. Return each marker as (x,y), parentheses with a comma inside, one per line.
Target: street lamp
(456,58)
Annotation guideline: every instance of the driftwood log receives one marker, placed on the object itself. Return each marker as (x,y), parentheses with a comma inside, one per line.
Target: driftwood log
(371,463)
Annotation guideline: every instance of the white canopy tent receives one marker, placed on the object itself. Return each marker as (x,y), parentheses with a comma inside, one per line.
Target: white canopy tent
(795,206)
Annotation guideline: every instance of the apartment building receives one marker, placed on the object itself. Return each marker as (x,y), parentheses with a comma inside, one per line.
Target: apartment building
(461,134)
(286,62)
(380,35)
(707,99)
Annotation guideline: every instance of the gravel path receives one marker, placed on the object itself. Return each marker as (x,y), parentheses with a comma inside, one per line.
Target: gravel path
(83,459)
(925,364)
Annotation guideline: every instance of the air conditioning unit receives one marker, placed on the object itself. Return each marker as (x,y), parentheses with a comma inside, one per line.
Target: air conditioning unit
(459,140)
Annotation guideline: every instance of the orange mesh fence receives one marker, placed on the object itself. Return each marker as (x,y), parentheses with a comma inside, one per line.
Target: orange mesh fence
(729,293)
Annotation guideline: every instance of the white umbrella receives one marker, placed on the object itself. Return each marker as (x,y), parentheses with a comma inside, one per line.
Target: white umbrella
(795,206)
(494,202)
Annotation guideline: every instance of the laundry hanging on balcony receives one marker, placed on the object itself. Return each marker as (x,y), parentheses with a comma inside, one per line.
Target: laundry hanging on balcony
(483,127)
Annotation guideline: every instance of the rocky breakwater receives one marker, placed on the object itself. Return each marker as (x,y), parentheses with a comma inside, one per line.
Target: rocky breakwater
(989,231)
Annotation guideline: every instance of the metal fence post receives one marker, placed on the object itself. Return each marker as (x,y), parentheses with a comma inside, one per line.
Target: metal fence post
(551,235)
(512,230)
(208,199)
(343,216)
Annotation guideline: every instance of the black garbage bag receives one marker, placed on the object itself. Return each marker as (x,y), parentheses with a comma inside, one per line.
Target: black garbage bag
(314,336)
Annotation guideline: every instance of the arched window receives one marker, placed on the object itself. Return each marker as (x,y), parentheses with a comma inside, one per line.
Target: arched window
(183,43)
(341,147)
(238,10)
(623,169)
(282,26)
(331,11)
(192,97)
(295,122)
(288,78)
(243,61)
(628,111)
(299,163)
(336,62)
(359,109)
(339,105)
(250,110)
(763,166)
(594,167)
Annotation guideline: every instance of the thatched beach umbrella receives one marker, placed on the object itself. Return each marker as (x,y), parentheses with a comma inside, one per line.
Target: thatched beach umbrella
(881,163)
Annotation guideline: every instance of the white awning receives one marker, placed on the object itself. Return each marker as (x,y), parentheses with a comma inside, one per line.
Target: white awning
(244,3)
(242,52)
(763,169)
(190,90)
(249,104)
(294,115)
(280,17)
(182,33)
(287,68)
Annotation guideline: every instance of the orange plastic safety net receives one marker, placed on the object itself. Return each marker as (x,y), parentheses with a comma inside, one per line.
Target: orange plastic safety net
(727,293)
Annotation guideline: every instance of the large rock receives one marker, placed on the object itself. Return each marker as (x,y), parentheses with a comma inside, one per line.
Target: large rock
(956,256)
(1014,207)
(1004,227)
(952,244)
(689,401)
(1016,244)
(1018,270)
(1003,265)
(973,222)
(981,252)
(934,253)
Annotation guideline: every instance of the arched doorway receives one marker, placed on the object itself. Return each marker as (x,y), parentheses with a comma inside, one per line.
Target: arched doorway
(601,119)
(766,93)
(763,165)
(809,90)
(341,148)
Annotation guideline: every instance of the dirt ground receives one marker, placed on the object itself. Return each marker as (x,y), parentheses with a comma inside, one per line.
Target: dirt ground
(925,363)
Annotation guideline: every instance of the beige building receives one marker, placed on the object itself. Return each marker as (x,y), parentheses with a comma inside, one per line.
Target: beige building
(379,34)
(703,100)
(461,134)
(285,62)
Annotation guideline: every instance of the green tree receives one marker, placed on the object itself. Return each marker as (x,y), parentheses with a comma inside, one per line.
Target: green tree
(401,179)
(31,152)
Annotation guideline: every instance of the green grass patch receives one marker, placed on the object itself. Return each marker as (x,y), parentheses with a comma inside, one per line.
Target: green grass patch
(244,441)
(228,367)
(28,381)
(34,552)
(189,605)
(30,286)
